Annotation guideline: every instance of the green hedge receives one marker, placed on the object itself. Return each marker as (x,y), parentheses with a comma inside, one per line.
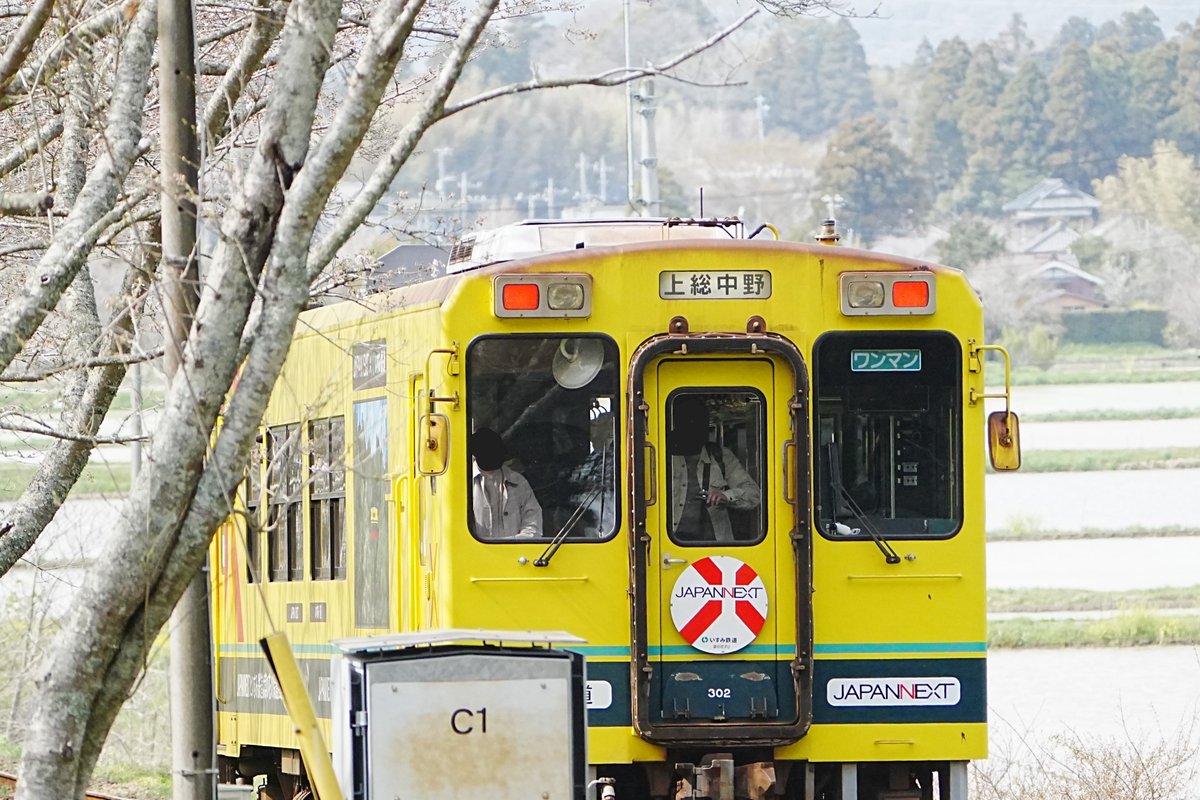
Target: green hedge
(1114,326)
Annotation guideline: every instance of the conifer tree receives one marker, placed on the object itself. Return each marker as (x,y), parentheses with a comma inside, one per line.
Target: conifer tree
(1152,76)
(1080,146)
(814,75)
(1138,30)
(938,149)
(979,187)
(1183,124)
(843,76)
(787,76)
(1076,30)
(981,89)
(873,176)
(1114,88)
(1015,150)
(1013,44)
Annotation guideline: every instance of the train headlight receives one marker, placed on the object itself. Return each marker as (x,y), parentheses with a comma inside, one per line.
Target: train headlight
(864,294)
(542,295)
(888,293)
(565,296)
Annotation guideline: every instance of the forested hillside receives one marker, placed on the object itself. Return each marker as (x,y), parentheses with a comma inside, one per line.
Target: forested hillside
(797,124)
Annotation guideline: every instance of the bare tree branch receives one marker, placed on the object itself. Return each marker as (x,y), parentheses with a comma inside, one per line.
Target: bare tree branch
(90,679)
(25,204)
(74,240)
(36,427)
(89,30)
(22,41)
(612,77)
(24,151)
(121,359)
(264,27)
(431,110)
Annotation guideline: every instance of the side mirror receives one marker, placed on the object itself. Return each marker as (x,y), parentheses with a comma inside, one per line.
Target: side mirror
(434,455)
(1004,440)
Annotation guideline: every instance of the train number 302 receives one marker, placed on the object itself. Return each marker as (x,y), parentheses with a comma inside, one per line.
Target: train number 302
(720,694)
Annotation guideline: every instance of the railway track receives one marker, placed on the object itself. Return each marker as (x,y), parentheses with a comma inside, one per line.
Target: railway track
(8,785)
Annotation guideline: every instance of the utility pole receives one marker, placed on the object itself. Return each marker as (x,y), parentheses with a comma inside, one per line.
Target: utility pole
(550,199)
(649,161)
(440,185)
(629,186)
(761,109)
(602,168)
(191,690)
(583,187)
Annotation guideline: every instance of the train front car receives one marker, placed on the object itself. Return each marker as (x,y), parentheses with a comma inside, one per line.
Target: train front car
(748,472)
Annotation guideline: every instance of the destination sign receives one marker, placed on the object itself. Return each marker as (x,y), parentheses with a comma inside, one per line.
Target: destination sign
(885,360)
(714,284)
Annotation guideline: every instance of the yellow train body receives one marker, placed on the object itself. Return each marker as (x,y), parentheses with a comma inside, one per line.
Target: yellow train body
(865,659)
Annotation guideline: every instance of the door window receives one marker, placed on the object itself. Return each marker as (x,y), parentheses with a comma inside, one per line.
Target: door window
(715,458)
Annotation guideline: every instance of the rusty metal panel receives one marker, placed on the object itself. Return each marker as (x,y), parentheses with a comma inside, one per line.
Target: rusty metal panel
(469,723)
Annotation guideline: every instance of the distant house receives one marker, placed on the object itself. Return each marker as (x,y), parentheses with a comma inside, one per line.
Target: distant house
(1048,202)
(1065,287)
(1053,241)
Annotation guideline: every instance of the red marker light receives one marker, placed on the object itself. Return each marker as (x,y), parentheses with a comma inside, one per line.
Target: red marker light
(521,297)
(910,294)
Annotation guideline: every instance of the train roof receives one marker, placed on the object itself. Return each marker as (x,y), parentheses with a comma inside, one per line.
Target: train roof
(534,237)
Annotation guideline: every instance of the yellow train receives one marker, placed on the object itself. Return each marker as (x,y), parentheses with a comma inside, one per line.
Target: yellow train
(748,472)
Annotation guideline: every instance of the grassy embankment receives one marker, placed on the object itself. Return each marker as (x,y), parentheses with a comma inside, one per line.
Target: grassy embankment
(1134,621)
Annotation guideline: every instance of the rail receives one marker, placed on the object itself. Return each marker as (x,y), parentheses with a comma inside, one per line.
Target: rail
(9,782)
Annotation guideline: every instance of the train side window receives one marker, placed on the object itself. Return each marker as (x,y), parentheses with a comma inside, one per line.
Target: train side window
(888,434)
(253,487)
(716,456)
(285,535)
(327,497)
(544,409)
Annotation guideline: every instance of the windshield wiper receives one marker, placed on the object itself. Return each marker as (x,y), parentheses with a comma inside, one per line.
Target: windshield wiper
(841,496)
(544,559)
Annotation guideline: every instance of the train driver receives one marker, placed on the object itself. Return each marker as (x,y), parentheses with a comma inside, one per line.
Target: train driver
(502,500)
(706,478)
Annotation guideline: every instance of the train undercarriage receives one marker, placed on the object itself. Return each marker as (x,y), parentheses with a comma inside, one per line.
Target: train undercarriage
(686,775)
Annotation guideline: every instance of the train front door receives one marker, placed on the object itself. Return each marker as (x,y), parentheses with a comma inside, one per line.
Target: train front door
(723,596)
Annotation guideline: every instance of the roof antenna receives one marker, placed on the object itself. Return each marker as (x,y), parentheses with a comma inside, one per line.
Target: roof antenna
(701,202)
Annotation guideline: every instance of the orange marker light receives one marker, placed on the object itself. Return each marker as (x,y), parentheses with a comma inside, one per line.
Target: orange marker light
(521,297)
(910,294)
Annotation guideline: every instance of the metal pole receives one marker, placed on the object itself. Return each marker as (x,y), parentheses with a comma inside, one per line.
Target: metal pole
(649,159)
(629,185)
(135,449)
(193,751)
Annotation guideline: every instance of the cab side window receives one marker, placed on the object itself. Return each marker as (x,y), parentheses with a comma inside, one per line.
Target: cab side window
(543,443)
(888,438)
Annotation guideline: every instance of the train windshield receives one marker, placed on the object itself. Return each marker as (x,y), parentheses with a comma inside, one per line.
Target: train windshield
(888,444)
(543,438)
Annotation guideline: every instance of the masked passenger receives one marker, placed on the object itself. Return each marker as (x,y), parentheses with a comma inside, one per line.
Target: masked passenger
(502,500)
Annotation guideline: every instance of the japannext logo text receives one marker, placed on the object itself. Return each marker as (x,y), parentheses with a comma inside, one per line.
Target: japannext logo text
(721,592)
(893,692)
